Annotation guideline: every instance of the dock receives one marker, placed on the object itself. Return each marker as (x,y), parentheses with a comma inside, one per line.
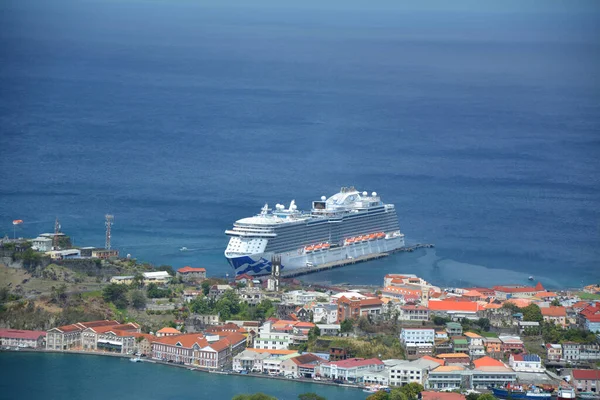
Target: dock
(349,261)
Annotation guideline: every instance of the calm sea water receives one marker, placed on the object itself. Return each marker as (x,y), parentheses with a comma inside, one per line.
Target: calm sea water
(69,376)
(481,125)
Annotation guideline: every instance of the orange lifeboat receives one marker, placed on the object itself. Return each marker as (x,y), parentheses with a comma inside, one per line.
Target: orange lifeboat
(365,238)
(372,236)
(325,245)
(380,235)
(350,240)
(318,246)
(309,248)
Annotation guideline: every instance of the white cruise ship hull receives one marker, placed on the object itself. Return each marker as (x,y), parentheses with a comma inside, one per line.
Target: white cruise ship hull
(260,264)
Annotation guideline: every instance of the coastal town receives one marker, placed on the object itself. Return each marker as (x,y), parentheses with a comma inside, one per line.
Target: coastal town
(469,340)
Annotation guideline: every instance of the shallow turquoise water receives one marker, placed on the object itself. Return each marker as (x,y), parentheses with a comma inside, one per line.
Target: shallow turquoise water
(69,376)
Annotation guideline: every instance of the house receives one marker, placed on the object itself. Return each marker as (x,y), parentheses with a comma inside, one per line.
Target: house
(325,313)
(122,280)
(190,295)
(460,344)
(64,254)
(167,331)
(485,292)
(511,344)
(402,372)
(493,346)
(110,338)
(350,370)
(21,338)
(570,351)
(586,380)
(417,335)
(272,338)
(143,343)
(475,344)
(589,318)
(329,329)
(414,313)
(589,352)
(338,353)
(291,366)
(105,254)
(197,322)
(301,296)
(158,277)
(455,358)
(555,314)
(250,360)
(195,349)
(454,329)
(243,279)
(526,363)
(414,351)
(216,291)
(356,308)
(554,351)
(189,274)
(68,337)
(251,295)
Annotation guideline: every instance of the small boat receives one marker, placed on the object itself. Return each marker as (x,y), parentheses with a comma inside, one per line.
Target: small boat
(136,359)
(530,277)
(309,248)
(517,392)
(183,249)
(376,388)
(565,393)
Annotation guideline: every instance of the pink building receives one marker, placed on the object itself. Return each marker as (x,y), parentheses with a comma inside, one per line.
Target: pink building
(19,338)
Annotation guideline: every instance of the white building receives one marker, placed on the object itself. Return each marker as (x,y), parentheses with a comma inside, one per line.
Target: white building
(476,347)
(42,244)
(351,370)
(64,254)
(301,296)
(156,277)
(526,363)
(248,360)
(272,340)
(329,329)
(325,313)
(402,372)
(417,335)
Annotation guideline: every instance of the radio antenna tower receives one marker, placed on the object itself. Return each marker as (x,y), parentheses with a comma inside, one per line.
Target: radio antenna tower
(108,223)
(56,232)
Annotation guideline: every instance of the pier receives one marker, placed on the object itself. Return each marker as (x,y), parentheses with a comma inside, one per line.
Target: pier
(349,261)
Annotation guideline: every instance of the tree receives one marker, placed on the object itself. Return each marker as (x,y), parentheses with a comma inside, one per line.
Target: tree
(412,390)
(116,294)
(205,287)
(138,281)
(346,326)
(201,306)
(380,395)
(511,306)
(398,394)
(167,268)
(314,332)
(532,313)
(484,324)
(440,320)
(486,396)
(472,396)
(228,304)
(58,294)
(310,396)
(555,302)
(138,299)
(154,292)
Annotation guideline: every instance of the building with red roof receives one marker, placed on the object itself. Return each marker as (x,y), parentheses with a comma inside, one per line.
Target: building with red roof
(512,291)
(351,369)
(585,380)
(188,273)
(454,308)
(21,338)
(555,314)
(442,396)
(589,318)
(111,338)
(68,337)
(356,308)
(197,350)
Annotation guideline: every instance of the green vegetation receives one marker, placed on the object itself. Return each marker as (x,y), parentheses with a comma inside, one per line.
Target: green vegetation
(310,396)
(116,294)
(588,296)
(154,292)
(255,396)
(346,326)
(229,306)
(532,313)
(406,392)
(380,346)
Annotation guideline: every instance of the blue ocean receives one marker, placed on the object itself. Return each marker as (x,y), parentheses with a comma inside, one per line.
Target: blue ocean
(479,121)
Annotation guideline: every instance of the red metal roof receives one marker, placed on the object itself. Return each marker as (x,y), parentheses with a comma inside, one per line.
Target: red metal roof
(586,374)
(451,305)
(187,269)
(19,334)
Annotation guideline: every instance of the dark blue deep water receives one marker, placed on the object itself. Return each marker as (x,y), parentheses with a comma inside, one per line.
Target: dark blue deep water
(481,124)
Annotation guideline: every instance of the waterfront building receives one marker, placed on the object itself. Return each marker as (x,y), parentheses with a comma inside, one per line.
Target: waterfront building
(475,345)
(143,343)
(445,377)
(249,360)
(189,274)
(68,337)
(414,313)
(195,349)
(272,365)
(291,366)
(490,372)
(586,380)
(554,351)
(22,338)
(417,335)
(325,313)
(42,244)
(167,331)
(356,308)
(403,372)
(555,314)
(526,363)
(105,254)
(350,369)
(455,358)
(110,338)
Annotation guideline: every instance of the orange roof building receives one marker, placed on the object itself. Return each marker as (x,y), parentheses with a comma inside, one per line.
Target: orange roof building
(167,331)
(452,306)
(487,361)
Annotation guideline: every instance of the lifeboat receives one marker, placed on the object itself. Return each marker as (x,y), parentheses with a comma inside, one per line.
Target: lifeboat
(325,245)
(350,241)
(309,248)
(381,235)
(365,238)
(372,236)
(318,246)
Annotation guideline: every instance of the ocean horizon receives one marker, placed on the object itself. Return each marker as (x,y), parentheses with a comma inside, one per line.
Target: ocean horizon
(480,123)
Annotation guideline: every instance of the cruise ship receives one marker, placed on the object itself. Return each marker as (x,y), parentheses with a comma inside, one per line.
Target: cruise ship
(346,225)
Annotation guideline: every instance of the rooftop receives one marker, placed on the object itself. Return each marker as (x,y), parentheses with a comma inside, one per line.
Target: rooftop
(487,361)
(554,311)
(19,334)
(441,396)
(356,362)
(452,305)
(453,355)
(449,368)
(187,269)
(586,374)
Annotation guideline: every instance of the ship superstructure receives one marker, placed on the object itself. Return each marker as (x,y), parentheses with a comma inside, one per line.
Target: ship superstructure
(346,225)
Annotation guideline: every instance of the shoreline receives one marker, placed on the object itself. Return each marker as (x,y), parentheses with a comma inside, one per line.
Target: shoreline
(190,368)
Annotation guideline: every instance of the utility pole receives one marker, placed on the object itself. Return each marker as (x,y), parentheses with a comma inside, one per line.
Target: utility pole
(56,232)
(108,223)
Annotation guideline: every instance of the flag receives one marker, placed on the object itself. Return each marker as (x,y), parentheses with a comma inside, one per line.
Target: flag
(17,222)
